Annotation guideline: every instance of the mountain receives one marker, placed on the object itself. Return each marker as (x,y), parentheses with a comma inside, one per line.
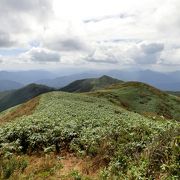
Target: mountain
(164,81)
(142,98)
(22,95)
(60,82)
(6,85)
(75,136)
(4,93)
(92,84)
(25,77)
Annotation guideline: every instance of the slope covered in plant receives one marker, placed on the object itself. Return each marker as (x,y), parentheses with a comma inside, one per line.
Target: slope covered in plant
(142,98)
(124,144)
(91,84)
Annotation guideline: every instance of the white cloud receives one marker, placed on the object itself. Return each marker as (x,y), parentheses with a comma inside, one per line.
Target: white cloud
(91,32)
(171,56)
(5,40)
(40,55)
(22,21)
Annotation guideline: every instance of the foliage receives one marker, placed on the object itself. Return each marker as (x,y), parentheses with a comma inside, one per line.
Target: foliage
(142,98)
(128,143)
(8,166)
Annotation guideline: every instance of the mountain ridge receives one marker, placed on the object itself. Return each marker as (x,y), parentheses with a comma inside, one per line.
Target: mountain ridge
(22,95)
(90,84)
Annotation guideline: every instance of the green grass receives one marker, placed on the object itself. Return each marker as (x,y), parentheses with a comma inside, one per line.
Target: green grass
(143,99)
(126,144)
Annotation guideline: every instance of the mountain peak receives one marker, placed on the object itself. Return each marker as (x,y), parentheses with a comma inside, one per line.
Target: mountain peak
(87,85)
(105,77)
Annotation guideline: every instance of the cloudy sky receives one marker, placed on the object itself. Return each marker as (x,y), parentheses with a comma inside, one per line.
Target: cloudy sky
(116,34)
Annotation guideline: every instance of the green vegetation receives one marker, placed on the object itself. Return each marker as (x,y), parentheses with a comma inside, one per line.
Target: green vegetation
(121,144)
(92,84)
(3,94)
(13,98)
(143,99)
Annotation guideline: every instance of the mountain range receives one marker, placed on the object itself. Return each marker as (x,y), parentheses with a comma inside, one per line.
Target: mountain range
(165,81)
(133,96)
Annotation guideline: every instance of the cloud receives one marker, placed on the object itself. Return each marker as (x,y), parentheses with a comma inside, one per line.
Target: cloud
(152,48)
(102,59)
(167,18)
(41,55)
(111,32)
(22,21)
(38,8)
(5,40)
(117,16)
(104,54)
(146,53)
(66,44)
(170,56)
(126,53)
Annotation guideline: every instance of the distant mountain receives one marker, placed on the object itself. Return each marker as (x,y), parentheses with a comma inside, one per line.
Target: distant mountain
(176,93)
(26,77)
(22,95)
(65,80)
(86,85)
(164,81)
(6,85)
(142,98)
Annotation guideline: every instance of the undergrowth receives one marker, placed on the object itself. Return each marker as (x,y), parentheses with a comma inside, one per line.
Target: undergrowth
(121,144)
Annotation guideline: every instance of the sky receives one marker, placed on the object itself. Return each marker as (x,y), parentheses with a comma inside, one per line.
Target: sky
(96,34)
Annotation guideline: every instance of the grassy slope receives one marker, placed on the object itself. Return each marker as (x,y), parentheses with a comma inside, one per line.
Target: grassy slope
(86,85)
(4,93)
(13,98)
(127,144)
(142,98)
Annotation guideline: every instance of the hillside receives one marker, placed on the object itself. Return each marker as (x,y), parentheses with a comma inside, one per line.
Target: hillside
(142,98)
(4,93)
(86,137)
(91,84)
(13,98)
(6,85)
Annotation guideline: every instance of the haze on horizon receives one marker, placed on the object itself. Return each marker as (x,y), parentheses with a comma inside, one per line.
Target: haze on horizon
(90,34)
